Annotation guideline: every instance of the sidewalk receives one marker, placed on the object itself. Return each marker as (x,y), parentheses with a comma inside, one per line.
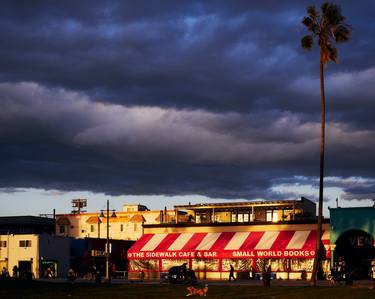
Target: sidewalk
(276,283)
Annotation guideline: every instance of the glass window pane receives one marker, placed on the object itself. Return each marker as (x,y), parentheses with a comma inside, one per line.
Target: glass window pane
(301,264)
(169,263)
(151,264)
(205,264)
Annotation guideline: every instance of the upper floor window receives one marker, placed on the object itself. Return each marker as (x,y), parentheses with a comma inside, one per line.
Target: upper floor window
(92,228)
(3,243)
(272,215)
(25,243)
(121,227)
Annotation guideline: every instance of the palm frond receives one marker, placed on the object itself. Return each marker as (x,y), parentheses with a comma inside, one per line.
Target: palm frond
(332,14)
(342,33)
(307,42)
(308,22)
(312,12)
(324,7)
(332,53)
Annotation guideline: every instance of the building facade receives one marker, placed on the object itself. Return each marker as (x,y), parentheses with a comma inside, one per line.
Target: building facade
(127,225)
(35,253)
(212,237)
(249,211)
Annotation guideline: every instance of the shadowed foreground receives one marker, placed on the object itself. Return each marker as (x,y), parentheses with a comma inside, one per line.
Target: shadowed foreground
(40,290)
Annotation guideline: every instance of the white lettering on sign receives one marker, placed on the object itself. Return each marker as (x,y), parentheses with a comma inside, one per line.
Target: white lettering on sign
(243,254)
(210,254)
(299,253)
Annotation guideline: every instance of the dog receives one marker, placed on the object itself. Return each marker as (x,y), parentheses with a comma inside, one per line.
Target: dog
(192,291)
(332,281)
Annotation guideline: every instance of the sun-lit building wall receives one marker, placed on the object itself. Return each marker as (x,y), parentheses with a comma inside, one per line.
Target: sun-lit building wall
(127,225)
(30,251)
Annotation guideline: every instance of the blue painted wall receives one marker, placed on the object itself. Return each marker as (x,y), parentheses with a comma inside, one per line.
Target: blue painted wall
(345,219)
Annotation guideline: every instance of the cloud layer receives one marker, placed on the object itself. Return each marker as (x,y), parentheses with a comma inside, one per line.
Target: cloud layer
(180,98)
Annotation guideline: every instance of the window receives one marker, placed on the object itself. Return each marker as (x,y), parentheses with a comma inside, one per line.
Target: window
(205,265)
(246,217)
(25,243)
(240,217)
(135,227)
(238,264)
(3,243)
(92,228)
(234,217)
(169,263)
(121,227)
(269,215)
(151,264)
(62,229)
(272,216)
(275,216)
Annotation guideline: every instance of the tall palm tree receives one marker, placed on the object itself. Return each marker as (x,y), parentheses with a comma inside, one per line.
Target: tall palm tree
(327,28)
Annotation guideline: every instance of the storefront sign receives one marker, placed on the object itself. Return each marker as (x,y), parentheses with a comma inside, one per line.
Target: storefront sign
(223,254)
(240,245)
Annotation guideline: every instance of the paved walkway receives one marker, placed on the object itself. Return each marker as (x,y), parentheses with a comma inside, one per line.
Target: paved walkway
(357,283)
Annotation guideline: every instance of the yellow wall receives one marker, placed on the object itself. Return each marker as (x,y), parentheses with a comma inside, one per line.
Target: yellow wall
(79,228)
(14,253)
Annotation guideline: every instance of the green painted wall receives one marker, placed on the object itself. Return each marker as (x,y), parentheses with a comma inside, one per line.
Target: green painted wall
(344,219)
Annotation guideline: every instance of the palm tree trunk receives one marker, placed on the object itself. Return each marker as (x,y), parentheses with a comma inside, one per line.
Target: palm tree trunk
(321,177)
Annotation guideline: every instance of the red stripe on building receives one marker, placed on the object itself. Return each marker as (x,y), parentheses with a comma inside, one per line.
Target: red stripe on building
(193,242)
(310,243)
(167,241)
(222,241)
(282,240)
(251,241)
(138,245)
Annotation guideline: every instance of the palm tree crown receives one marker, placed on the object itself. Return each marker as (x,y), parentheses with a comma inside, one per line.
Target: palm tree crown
(328,28)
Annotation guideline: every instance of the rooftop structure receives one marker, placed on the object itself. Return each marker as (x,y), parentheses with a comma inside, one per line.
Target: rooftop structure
(250,211)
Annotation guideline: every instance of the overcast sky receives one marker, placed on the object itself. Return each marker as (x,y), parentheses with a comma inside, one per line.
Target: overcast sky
(165,102)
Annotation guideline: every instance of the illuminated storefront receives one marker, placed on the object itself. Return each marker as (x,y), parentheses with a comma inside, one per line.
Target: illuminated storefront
(210,249)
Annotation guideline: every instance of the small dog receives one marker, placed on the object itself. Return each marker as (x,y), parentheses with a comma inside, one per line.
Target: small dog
(332,281)
(192,291)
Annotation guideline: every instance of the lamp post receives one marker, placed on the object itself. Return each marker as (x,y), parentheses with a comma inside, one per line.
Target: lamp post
(107,243)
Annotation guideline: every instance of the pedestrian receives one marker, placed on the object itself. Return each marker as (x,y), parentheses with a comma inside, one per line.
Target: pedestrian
(48,273)
(252,271)
(231,273)
(113,270)
(15,271)
(267,277)
(142,275)
(71,275)
(4,273)
(98,277)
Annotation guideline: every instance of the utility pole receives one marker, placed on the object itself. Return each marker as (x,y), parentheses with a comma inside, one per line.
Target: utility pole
(107,253)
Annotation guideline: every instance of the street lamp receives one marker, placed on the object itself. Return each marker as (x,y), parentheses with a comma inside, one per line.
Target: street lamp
(107,243)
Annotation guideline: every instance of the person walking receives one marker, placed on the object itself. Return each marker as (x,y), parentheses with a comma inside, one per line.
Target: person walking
(231,273)
(267,277)
(15,271)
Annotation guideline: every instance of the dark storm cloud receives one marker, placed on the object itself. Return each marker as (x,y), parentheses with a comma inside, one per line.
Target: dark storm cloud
(178,97)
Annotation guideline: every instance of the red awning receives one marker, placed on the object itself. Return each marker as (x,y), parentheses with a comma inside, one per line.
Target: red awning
(256,244)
